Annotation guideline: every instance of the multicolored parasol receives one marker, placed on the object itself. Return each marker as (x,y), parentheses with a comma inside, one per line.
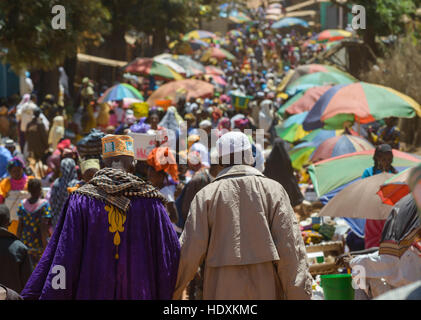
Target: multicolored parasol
(331,174)
(318,79)
(305,100)
(333,35)
(192,88)
(119,92)
(309,69)
(338,146)
(235,34)
(301,153)
(359,200)
(150,67)
(292,129)
(360,102)
(217,53)
(189,66)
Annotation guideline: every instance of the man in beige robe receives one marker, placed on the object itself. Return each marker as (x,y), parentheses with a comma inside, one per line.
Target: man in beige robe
(244,229)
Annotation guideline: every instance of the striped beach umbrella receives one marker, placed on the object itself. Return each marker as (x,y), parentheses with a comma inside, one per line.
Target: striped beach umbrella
(360,102)
(119,92)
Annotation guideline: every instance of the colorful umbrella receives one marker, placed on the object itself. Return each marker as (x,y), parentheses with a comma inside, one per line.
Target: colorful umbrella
(301,153)
(333,35)
(150,67)
(199,34)
(191,67)
(359,200)
(362,102)
(338,146)
(119,92)
(318,79)
(217,79)
(192,88)
(292,129)
(334,173)
(289,22)
(313,68)
(217,53)
(395,188)
(305,100)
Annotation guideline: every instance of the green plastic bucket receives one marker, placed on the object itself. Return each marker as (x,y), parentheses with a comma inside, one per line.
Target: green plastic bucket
(337,287)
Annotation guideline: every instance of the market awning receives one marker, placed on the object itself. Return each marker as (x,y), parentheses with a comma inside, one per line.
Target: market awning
(104,61)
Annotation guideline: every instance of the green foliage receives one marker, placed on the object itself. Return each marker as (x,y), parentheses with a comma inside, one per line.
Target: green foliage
(385,16)
(30,40)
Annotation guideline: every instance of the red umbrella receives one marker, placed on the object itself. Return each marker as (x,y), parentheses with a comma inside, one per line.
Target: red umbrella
(193,88)
(307,101)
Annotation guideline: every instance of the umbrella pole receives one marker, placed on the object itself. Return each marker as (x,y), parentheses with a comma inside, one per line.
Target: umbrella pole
(359,128)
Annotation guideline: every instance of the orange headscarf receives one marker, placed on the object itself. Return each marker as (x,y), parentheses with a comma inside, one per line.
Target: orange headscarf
(162,159)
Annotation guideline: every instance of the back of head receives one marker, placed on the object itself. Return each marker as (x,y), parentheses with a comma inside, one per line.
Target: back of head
(234,148)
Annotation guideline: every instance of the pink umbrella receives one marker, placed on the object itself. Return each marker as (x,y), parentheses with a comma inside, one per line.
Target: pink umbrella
(214,71)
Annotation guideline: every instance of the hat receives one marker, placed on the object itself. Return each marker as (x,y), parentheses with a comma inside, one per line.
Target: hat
(205,124)
(116,145)
(232,142)
(89,164)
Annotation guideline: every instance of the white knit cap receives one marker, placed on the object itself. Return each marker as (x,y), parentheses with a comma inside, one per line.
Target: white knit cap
(232,142)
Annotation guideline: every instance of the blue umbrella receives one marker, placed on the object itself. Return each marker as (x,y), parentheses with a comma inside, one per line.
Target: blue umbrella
(290,22)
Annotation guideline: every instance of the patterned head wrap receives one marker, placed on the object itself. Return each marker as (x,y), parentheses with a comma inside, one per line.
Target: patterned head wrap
(162,159)
(115,145)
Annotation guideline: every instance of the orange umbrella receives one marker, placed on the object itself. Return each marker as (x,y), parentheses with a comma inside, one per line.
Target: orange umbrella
(193,88)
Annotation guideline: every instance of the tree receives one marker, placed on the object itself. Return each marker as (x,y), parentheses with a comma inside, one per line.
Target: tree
(384,17)
(32,43)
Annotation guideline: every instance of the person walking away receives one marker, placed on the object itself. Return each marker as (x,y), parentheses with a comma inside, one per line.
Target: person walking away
(57,132)
(15,266)
(59,189)
(36,136)
(34,218)
(243,228)
(163,175)
(118,221)
(279,168)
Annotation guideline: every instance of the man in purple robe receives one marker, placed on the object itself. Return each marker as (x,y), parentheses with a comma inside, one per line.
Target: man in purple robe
(113,240)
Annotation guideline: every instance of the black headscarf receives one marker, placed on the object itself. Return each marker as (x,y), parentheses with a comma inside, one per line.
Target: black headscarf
(279,168)
(401,227)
